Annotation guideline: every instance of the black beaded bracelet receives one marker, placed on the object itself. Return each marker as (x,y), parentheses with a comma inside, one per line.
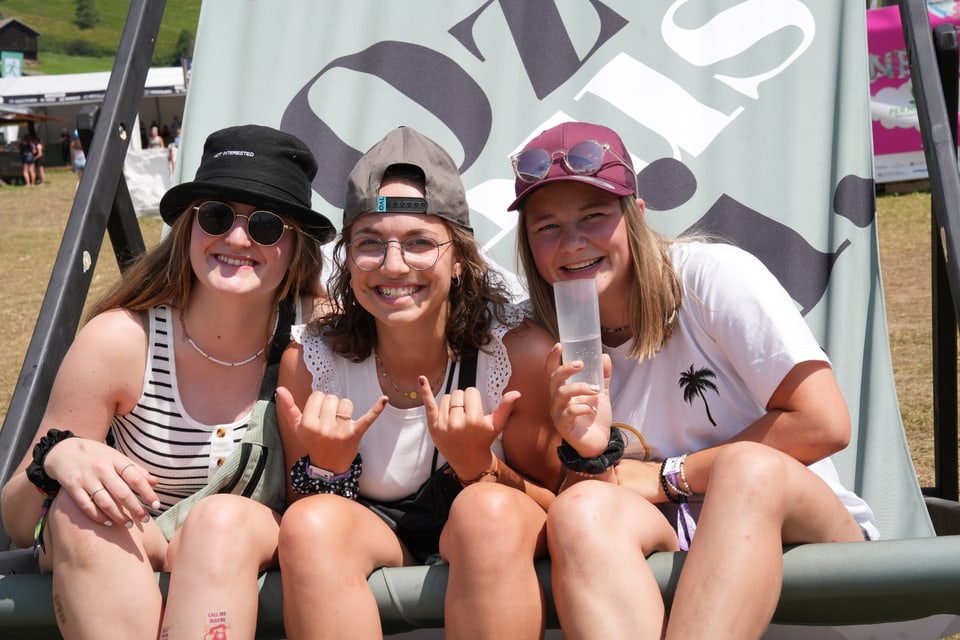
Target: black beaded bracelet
(35,471)
(346,484)
(675,498)
(573,461)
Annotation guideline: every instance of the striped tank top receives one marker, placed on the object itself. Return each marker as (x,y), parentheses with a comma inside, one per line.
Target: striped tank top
(179,451)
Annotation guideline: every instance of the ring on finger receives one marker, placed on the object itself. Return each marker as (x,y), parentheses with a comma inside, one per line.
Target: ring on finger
(125,467)
(343,415)
(96,491)
(456,406)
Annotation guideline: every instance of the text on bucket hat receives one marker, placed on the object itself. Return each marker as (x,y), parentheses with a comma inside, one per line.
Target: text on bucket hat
(444,193)
(255,165)
(574,151)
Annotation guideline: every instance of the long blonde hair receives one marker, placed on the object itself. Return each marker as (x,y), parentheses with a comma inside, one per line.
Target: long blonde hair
(654,301)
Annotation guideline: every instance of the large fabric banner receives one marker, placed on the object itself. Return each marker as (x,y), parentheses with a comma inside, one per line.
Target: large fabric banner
(898,146)
(747,119)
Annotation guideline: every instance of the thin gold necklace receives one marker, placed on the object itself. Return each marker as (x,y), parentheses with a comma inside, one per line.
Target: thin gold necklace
(413,394)
(224,363)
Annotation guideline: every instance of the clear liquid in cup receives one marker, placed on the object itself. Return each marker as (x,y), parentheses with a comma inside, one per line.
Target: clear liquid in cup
(589,350)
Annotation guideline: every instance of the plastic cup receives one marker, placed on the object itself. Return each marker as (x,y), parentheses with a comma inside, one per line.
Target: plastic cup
(578,319)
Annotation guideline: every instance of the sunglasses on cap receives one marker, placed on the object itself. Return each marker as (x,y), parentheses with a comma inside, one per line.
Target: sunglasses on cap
(217,218)
(582,159)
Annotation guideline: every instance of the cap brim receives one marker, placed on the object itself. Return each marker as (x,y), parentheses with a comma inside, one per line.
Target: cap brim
(593,181)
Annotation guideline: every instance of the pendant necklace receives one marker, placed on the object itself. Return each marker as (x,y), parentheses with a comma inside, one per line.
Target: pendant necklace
(413,394)
(224,363)
(614,329)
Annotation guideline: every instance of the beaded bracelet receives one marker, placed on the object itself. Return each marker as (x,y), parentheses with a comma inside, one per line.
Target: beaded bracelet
(573,461)
(345,484)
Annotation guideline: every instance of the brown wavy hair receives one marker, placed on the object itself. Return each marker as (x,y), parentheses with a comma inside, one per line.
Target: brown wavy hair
(480,297)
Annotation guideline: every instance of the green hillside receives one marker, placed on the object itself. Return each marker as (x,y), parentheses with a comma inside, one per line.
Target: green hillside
(66,48)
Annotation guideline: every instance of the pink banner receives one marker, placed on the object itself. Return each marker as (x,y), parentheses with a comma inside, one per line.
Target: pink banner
(897,146)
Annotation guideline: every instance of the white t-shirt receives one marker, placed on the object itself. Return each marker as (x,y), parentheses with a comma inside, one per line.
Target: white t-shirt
(397,450)
(737,336)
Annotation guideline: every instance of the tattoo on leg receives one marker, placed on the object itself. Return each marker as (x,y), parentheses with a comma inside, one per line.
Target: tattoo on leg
(216,626)
(58,607)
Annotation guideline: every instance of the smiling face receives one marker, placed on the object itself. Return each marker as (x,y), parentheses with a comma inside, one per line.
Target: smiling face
(577,231)
(233,264)
(394,293)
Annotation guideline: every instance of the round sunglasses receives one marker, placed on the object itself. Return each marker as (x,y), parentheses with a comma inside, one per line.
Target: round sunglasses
(217,218)
(583,159)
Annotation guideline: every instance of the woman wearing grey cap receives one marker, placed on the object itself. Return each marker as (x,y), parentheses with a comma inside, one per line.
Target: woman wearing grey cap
(155,396)
(424,389)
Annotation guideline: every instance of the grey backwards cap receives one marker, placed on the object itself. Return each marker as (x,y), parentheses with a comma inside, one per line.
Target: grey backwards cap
(445,196)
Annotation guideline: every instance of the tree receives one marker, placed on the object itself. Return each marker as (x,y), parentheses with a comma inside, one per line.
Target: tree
(87,16)
(184,48)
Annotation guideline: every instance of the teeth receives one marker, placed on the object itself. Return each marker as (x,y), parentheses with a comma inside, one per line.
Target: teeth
(581,265)
(235,262)
(396,292)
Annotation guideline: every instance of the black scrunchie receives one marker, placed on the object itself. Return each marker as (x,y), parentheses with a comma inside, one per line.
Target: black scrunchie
(35,472)
(593,466)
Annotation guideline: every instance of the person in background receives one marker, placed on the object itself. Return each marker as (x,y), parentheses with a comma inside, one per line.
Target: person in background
(41,176)
(65,140)
(156,140)
(718,413)
(78,156)
(28,158)
(421,391)
(157,392)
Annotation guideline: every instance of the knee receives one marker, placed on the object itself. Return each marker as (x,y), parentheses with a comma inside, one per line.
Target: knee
(582,510)
(220,516)
(491,519)
(315,521)
(750,471)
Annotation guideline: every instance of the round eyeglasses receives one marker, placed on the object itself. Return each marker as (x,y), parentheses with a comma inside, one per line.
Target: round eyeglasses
(217,218)
(419,252)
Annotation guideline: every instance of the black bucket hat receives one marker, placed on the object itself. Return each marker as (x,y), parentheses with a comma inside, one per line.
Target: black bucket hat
(259,166)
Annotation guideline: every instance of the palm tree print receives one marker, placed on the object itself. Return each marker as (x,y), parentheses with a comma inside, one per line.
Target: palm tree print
(694,382)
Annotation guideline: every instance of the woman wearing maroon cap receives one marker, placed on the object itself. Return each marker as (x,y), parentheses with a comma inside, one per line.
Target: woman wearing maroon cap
(716,421)
(149,421)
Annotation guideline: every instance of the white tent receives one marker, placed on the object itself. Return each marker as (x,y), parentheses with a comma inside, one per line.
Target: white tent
(62,96)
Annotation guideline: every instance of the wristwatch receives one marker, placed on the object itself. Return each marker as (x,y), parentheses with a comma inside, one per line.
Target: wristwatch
(319,473)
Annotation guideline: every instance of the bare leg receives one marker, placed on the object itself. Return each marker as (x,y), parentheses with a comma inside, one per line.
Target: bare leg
(328,547)
(758,498)
(103,577)
(214,560)
(490,540)
(599,535)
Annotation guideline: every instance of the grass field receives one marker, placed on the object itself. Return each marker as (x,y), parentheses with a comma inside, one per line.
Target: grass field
(54,20)
(35,218)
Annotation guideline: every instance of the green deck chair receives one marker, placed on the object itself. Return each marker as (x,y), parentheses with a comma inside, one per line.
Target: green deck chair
(749,120)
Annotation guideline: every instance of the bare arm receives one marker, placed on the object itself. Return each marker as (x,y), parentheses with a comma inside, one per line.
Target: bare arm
(100,376)
(806,418)
(529,438)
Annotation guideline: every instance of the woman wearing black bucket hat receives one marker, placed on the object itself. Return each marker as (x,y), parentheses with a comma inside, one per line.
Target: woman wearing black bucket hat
(159,422)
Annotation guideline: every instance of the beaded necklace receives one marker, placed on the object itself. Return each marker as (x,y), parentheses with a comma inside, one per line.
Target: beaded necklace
(224,363)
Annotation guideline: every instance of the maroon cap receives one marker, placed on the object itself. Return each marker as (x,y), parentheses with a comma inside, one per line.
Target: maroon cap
(616,176)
